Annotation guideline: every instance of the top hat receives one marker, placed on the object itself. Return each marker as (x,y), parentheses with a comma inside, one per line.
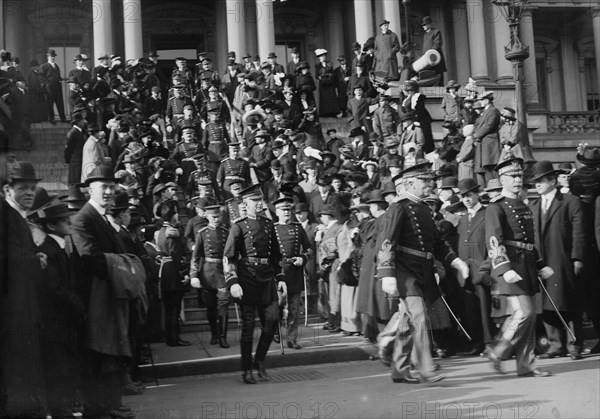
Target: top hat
(420,171)
(426,21)
(493,185)
(100,173)
(509,113)
(252,192)
(467,185)
(384,22)
(376,197)
(541,169)
(510,166)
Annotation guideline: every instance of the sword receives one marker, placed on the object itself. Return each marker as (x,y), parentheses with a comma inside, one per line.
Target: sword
(456,319)
(237,314)
(556,309)
(280,338)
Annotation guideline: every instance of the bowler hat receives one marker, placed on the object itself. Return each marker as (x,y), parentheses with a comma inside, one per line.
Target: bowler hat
(449,182)
(467,185)
(120,202)
(295,50)
(51,53)
(275,164)
(323,181)
(256,58)
(565,168)
(541,169)
(41,199)
(376,197)
(93,128)
(100,173)
(289,179)
(272,55)
(25,172)
(426,21)
(300,207)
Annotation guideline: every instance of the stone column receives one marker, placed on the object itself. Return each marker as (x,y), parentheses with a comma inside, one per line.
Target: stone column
(103,27)
(581,79)
(335,44)
(570,73)
(236,27)
(250,25)
(391,12)
(132,29)
(461,42)
(221,38)
(2,42)
(477,47)
(493,17)
(529,68)
(363,19)
(13,10)
(596,26)
(265,28)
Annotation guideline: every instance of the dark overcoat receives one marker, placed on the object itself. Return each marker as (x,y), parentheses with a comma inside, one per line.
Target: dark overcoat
(485,134)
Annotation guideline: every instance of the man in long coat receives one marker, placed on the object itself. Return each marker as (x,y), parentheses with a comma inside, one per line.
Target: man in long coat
(73,152)
(560,240)
(485,134)
(387,46)
(22,391)
(432,39)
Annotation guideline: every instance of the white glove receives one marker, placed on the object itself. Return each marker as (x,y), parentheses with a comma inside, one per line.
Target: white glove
(196,283)
(389,285)
(43,258)
(511,277)
(546,272)
(236,291)
(179,171)
(282,288)
(169,129)
(437,278)
(461,267)
(298,261)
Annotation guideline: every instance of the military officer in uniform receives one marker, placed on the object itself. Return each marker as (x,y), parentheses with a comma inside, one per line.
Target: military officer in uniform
(407,243)
(173,280)
(184,153)
(510,238)
(233,168)
(215,104)
(252,267)
(234,206)
(175,107)
(295,251)
(206,271)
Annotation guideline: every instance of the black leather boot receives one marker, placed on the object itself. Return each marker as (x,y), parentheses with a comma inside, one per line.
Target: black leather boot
(248,377)
(262,372)
(212,323)
(222,325)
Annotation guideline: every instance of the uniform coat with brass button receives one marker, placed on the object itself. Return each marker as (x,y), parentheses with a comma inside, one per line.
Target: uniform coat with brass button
(294,243)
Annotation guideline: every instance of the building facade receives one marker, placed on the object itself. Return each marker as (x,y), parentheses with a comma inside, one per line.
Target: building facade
(561,75)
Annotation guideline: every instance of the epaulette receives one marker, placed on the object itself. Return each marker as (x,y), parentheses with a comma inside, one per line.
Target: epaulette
(237,220)
(172,232)
(496,199)
(225,159)
(202,229)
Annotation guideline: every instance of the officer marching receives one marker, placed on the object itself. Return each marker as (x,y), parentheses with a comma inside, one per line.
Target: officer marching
(206,271)
(252,267)
(296,250)
(510,238)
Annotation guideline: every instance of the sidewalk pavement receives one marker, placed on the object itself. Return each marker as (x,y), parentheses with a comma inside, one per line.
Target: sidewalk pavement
(318,347)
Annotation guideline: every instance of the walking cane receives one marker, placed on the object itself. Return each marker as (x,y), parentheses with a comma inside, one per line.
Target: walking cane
(556,309)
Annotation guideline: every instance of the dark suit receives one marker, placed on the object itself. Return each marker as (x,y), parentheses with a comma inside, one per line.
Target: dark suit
(416,103)
(94,237)
(433,40)
(472,249)
(22,379)
(316,202)
(51,79)
(560,240)
(74,154)
(487,153)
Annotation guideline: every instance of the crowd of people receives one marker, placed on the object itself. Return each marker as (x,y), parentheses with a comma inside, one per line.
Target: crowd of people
(429,250)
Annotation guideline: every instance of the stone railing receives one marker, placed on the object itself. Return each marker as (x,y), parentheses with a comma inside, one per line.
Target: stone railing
(573,122)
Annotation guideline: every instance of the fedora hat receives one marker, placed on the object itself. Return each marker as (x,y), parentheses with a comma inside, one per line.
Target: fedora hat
(388,188)
(100,173)
(41,199)
(104,57)
(53,211)
(467,185)
(426,21)
(25,172)
(272,55)
(493,185)
(300,207)
(120,201)
(541,169)
(76,117)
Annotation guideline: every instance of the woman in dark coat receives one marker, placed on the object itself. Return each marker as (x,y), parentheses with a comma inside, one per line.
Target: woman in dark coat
(328,101)
(305,82)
